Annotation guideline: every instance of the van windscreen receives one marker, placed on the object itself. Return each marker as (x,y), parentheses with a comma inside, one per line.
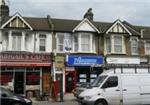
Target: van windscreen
(98,81)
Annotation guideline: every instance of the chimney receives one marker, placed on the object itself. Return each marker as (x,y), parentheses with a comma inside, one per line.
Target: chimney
(4,9)
(89,14)
(50,22)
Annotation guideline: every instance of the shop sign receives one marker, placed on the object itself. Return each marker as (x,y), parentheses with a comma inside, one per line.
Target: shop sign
(59,62)
(73,60)
(115,60)
(25,57)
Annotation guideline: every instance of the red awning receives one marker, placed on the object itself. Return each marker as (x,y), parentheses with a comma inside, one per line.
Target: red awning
(24,64)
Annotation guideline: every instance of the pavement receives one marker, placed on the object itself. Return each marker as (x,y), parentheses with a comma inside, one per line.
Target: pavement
(68,98)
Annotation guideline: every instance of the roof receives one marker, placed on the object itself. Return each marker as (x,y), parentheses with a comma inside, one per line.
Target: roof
(144,30)
(40,24)
(67,25)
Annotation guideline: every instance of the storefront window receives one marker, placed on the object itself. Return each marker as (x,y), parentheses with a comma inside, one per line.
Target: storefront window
(6,78)
(33,78)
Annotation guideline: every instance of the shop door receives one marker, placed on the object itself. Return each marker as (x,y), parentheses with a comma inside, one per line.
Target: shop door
(19,83)
(70,81)
(59,78)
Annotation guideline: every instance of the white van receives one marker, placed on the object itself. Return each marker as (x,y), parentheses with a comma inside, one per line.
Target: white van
(125,86)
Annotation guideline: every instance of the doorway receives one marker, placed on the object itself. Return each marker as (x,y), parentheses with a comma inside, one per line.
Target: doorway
(59,78)
(70,81)
(19,83)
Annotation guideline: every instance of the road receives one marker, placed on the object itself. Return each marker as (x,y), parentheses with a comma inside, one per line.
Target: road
(56,103)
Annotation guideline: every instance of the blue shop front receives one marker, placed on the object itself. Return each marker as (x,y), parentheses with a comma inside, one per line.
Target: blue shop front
(82,69)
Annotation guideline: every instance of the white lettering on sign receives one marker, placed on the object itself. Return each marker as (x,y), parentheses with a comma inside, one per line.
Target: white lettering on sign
(123,60)
(80,60)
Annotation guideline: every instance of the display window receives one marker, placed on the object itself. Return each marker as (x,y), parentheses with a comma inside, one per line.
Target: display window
(33,78)
(6,78)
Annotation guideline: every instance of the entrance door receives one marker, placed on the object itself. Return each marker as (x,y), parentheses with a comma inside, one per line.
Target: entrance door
(19,83)
(59,78)
(70,81)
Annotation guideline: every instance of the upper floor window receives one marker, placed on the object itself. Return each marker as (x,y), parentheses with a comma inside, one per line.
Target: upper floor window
(16,41)
(108,45)
(118,44)
(114,44)
(64,42)
(42,42)
(134,46)
(76,42)
(79,42)
(85,42)
(147,48)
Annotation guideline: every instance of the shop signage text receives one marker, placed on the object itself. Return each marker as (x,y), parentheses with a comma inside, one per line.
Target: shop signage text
(25,57)
(84,60)
(60,61)
(115,60)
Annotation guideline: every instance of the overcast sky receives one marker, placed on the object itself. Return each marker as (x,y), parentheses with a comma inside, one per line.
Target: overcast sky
(134,11)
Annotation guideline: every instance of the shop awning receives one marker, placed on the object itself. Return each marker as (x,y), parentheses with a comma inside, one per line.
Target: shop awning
(23,64)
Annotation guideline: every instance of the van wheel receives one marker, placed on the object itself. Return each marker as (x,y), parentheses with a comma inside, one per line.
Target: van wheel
(16,103)
(100,102)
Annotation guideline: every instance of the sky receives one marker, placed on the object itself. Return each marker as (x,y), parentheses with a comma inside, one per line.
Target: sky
(136,12)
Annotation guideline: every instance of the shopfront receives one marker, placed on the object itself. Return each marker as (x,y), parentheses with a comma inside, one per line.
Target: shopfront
(125,63)
(83,68)
(24,72)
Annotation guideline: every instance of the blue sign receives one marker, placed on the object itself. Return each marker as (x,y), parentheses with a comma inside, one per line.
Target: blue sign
(73,60)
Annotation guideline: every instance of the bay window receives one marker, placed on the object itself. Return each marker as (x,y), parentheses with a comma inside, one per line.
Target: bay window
(64,41)
(114,44)
(147,48)
(108,45)
(134,46)
(117,44)
(16,41)
(85,42)
(78,42)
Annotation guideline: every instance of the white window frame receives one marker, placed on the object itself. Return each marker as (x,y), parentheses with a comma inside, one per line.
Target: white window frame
(42,38)
(147,52)
(16,41)
(92,43)
(113,46)
(137,40)
(63,44)
(85,43)
(107,45)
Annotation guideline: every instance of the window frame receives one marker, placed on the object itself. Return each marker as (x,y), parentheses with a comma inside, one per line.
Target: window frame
(42,37)
(112,41)
(91,42)
(147,52)
(85,44)
(135,46)
(15,43)
(66,36)
(106,44)
(105,84)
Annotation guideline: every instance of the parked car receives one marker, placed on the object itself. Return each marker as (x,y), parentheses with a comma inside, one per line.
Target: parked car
(9,98)
(125,86)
